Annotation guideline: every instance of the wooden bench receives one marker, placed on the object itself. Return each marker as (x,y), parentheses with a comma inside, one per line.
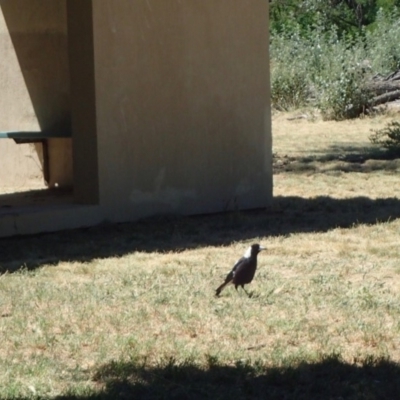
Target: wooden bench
(37,137)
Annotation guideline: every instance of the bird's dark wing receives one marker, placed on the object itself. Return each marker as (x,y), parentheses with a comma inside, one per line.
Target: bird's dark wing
(245,271)
(229,277)
(239,265)
(231,274)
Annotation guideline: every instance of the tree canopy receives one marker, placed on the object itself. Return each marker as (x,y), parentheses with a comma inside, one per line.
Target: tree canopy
(349,16)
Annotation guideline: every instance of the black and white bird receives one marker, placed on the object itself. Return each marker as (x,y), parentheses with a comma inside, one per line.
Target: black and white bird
(243,271)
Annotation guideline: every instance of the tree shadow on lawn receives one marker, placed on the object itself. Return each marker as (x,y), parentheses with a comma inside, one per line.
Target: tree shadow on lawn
(330,379)
(286,216)
(338,158)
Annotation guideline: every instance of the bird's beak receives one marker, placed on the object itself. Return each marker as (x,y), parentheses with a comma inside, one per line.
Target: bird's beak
(263,248)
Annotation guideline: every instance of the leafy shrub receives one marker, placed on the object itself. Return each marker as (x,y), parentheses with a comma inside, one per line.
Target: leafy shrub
(382,41)
(319,70)
(345,97)
(341,76)
(324,69)
(289,89)
(289,81)
(388,137)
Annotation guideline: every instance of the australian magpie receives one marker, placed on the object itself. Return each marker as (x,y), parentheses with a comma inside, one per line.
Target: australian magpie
(243,271)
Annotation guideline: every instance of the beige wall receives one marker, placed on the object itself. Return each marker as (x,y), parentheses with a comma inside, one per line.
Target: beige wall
(34,86)
(182,104)
(169,104)
(20,166)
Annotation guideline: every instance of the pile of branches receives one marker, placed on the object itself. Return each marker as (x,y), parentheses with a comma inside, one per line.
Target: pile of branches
(384,89)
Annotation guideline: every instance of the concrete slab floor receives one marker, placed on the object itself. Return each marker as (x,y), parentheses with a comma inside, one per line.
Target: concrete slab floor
(28,199)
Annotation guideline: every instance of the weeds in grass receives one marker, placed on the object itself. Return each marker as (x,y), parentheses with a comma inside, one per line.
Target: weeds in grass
(388,137)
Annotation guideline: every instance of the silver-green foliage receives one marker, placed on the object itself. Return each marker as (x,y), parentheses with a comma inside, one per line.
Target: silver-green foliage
(383,42)
(340,78)
(290,85)
(326,71)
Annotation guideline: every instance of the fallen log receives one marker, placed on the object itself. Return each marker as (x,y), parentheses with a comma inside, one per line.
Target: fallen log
(384,98)
(380,87)
(384,89)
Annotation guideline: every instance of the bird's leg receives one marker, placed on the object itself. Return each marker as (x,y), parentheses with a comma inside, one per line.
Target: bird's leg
(248,294)
(236,287)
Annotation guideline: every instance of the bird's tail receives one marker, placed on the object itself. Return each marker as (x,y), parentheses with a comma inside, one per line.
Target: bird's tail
(220,288)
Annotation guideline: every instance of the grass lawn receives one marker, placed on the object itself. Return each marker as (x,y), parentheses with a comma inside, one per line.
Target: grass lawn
(128,311)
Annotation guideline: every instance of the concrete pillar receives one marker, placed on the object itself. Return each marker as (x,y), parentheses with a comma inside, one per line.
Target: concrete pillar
(83,101)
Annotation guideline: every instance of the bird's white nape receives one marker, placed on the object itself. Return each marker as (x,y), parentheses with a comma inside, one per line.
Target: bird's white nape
(247,253)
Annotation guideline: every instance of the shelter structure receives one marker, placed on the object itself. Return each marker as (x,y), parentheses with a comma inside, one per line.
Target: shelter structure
(147,107)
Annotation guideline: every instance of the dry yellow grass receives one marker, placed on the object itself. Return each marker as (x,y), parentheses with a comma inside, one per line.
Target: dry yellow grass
(128,311)
(334,158)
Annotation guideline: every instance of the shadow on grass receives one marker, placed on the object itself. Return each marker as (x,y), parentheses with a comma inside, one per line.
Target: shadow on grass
(287,215)
(328,379)
(339,158)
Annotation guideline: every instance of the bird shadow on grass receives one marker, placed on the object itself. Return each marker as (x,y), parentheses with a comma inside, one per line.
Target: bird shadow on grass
(330,378)
(287,215)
